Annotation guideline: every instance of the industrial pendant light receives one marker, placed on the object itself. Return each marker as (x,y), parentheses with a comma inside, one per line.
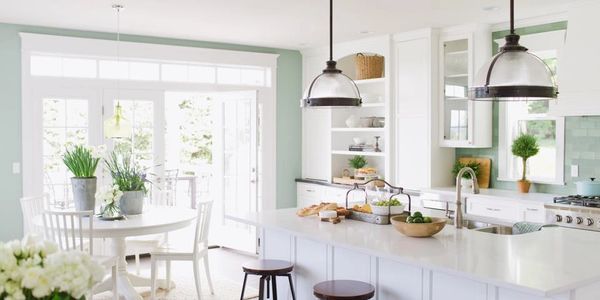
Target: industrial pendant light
(117,126)
(332,88)
(514,74)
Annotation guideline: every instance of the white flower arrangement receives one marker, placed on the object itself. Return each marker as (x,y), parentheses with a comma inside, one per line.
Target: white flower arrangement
(35,269)
(110,197)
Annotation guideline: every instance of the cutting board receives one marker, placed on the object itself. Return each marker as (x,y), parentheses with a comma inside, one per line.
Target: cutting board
(485,169)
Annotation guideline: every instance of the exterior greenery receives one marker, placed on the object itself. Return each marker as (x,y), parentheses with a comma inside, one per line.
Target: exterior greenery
(126,175)
(472,164)
(525,146)
(81,162)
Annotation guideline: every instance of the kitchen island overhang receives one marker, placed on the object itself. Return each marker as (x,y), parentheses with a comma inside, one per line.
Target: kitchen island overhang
(555,263)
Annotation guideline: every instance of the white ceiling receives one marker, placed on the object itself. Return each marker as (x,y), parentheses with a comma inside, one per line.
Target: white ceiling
(277,23)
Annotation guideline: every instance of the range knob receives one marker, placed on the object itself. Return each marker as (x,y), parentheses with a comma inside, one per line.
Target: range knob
(558,218)
(569,219)
(590,221)
(579,220)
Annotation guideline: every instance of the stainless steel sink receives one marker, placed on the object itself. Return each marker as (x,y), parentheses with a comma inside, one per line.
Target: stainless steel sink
(505,230)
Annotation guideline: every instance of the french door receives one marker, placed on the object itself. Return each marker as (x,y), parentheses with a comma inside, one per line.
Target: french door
(144,109)
(236,166)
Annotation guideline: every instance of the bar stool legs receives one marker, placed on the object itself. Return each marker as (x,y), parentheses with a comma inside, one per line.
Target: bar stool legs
(271,282)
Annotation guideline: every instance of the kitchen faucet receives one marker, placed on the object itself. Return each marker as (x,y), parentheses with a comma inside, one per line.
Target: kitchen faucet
(458,220)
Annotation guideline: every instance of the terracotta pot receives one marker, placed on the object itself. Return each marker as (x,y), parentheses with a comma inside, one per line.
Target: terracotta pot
(524,186)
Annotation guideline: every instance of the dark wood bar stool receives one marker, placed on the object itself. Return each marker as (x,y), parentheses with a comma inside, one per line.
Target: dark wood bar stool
(344,290)
(268,270)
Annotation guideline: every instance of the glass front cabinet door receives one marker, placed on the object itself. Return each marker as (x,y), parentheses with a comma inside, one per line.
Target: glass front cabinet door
(463,123)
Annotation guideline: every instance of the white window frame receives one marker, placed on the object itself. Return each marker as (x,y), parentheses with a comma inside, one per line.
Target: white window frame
(539,41)
(32,86)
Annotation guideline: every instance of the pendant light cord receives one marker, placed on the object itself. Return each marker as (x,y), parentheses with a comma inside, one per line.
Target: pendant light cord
(512,16)
(330,30)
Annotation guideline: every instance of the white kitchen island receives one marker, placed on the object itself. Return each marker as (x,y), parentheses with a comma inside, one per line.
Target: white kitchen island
(456,264)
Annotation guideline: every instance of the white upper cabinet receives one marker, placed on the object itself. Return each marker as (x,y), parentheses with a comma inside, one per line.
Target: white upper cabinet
(463,123)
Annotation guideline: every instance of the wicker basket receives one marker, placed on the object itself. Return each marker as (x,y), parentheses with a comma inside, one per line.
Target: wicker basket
(368,66)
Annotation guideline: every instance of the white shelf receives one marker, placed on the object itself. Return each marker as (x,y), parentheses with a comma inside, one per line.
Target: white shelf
(457,76)
(373,104)
(360,129)
(363,153)
(457,52)
(370,81)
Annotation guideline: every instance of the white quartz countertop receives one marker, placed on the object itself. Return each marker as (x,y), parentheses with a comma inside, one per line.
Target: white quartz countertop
(495,194)
(543,263)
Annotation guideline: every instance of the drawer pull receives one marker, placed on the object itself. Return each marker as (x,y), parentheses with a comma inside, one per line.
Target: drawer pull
(493,209)
(532,209)
(310,191)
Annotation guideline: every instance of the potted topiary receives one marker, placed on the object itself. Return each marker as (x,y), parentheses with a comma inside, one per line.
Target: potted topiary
(465,181)
(525,146)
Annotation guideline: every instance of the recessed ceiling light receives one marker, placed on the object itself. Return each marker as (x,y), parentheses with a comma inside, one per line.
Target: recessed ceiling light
(490,8)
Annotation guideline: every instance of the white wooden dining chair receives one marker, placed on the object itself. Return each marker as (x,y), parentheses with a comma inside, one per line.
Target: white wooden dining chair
(166,196)
(32,207)
(66,228)
(198,251)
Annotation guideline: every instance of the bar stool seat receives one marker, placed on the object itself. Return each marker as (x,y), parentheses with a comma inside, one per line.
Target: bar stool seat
(268,270)
(344,290)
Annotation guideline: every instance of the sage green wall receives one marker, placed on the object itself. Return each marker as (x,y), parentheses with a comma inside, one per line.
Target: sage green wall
(582,138)
(289,90)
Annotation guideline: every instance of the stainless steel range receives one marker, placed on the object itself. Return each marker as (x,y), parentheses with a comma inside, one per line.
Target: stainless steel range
(581,212)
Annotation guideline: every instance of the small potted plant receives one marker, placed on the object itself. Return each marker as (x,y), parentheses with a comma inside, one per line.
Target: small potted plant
(131,180)
(82,162)
(356,163)
(525,146)
(465,181)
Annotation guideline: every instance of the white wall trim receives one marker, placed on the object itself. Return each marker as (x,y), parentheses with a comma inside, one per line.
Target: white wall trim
(97,47)
(540,20)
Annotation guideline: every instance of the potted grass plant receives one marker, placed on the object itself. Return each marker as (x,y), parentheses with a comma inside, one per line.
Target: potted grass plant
(357,162)
(82,161)
(525,146)
(131,180)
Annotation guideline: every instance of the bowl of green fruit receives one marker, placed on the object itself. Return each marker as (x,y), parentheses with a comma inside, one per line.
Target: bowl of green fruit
(418,225)
(387,207)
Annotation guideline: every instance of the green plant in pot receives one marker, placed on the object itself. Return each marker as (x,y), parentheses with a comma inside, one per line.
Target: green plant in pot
(82,161)
(525,146)
(465,181)
(357,162)
(131,180)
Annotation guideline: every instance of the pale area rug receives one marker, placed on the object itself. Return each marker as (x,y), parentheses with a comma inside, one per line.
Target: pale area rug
(225,272)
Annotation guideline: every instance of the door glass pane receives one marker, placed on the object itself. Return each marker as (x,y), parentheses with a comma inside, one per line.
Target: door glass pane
(141,145)
(65,122)
(456,82)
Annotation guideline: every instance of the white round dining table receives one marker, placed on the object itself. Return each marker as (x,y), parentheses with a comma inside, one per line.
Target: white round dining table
(154,220)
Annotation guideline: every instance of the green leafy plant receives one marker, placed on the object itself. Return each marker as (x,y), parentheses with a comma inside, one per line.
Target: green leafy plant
(125,174)
(471,164)
(81,161)
(525,146)
(357,162)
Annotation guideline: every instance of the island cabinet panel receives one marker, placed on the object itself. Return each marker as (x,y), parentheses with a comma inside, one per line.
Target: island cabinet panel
(506,294)
(398,281)
(277,244)
(445,286)
(310,266)
(349,264)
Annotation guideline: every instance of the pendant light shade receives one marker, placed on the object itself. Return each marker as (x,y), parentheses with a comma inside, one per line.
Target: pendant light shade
(117,126)
(514,74)
(331,88)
